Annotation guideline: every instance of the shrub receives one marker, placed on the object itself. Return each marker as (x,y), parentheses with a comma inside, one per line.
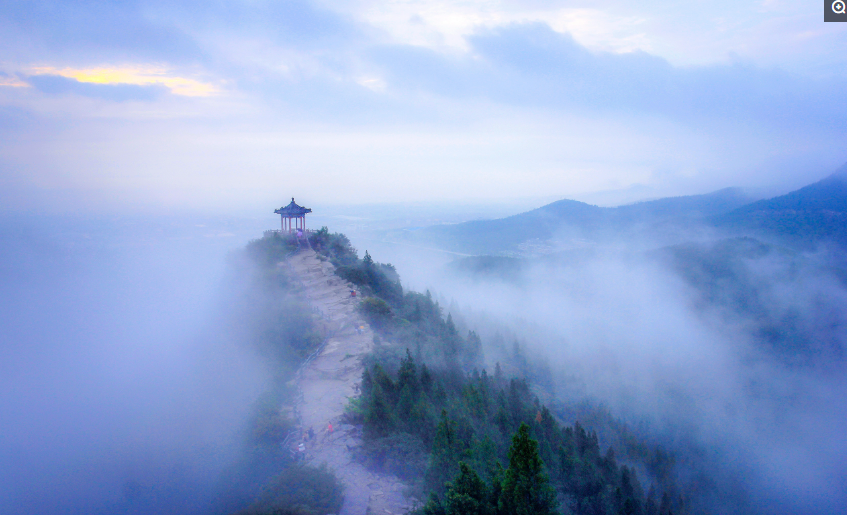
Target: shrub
(376,311)
(299,490)
(334,246)
(401,454)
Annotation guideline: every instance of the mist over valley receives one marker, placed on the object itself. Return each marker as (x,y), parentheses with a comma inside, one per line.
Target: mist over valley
(431,258)
(725,338)
(131,371)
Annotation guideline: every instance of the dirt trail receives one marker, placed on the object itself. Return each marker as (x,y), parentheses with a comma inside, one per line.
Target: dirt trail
(329,380)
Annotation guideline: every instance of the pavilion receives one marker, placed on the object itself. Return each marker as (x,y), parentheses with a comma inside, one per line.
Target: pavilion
(295,212)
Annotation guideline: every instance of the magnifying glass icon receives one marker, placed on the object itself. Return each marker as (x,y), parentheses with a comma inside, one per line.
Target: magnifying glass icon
(838,7)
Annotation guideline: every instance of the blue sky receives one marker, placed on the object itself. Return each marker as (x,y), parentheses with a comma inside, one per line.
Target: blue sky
(228,105)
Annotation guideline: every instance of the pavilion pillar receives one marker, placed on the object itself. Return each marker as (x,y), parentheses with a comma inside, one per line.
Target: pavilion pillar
(293,217)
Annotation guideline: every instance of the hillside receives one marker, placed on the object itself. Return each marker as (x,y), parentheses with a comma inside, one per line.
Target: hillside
(575,223)
(813,214)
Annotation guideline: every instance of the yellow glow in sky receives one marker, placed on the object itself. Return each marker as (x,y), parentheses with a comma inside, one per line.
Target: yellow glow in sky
(137,75)
(13,82)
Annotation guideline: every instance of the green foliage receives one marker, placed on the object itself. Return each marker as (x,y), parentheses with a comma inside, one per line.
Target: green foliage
(522,489)
(468,494)
(270,314)
(271,249)
(417,323)
(379,420)
(354,411)
(376,311)
(447,449)
(335,246)
(268,426)
(353,274)
(401,454)
(476,419)
(526,488)
(456,413)
(270,311)
(374,279)
(299,490)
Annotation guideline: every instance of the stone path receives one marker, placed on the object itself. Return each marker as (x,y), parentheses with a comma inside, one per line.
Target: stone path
(329,380)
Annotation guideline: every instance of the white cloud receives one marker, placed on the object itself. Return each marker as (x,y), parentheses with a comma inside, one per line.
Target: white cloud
(444,25)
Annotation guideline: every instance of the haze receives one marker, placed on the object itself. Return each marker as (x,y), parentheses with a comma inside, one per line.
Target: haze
(143,142)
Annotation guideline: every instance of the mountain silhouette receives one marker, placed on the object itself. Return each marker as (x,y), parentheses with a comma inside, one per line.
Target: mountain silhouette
(813,214)
(577,221)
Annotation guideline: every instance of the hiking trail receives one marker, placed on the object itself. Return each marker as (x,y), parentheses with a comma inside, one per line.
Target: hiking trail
(329,380)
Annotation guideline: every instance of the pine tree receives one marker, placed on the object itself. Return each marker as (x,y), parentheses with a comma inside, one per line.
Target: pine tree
(650,507)
(526,488)
(453,344)
(405,408)
(498,375)
(472,352)
(379,419)
(426,379)
(468,494)
(381,378)
(408,375)
(446,451)
(367,383)
(665,506)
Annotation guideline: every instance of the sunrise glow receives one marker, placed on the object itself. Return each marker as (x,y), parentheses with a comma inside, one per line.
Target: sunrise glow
(135,75)
(13,82)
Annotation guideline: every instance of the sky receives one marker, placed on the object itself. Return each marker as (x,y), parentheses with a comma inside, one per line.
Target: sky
(238,105)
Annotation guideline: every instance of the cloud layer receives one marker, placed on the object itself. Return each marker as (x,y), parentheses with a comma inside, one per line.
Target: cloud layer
(474,98)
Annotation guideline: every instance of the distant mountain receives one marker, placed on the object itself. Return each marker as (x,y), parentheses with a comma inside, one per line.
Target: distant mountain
(692,206)
(746,279)
(812,214)
(578,221)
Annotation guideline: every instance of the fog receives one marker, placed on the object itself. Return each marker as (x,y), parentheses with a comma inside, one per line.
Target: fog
(743,377)
(125,389)
(121,389)
(126,376)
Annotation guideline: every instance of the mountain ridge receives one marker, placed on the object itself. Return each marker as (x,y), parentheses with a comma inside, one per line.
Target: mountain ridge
(806,216)
(579,220)
(812,214)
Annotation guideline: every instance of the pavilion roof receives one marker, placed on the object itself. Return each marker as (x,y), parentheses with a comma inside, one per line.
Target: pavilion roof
(292,209)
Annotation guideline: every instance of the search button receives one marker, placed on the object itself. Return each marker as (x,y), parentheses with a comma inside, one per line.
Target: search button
(835,10)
